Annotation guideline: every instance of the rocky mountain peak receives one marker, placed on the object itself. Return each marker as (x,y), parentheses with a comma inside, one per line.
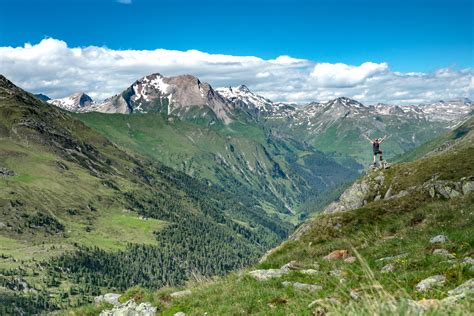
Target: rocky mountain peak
(77,102)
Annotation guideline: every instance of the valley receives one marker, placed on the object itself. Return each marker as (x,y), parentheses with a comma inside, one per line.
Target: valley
(171,182)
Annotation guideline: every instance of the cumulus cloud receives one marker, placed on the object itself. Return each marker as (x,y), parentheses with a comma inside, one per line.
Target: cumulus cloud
(125,1)
(342,75)
(53,68)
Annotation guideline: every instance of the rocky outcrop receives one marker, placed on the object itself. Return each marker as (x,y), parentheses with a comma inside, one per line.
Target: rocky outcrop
(439,239)
(130,308)
(372,187)
(262,275)
(4,172)
(352,198)
(431,282)
(111,298)
(466,287)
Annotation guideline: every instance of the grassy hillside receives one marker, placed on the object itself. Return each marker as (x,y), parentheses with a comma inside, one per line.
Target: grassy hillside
(395,230)
(70,201)
(241,157)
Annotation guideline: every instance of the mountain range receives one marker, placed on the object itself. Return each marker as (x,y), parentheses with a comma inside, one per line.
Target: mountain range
(333,127)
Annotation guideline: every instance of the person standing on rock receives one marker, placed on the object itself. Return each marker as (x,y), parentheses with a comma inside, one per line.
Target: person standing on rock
(376,147)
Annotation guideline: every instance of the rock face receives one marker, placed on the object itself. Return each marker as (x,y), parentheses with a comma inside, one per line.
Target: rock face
(352,198)
(110,298)
(184,96)
(130,308)
(429,283)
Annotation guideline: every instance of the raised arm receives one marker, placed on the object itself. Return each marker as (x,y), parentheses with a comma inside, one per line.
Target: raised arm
(367,137)
(383,138)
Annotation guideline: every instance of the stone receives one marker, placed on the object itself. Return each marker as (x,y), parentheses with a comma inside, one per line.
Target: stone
(431,282)
(444,253)
(337,254)
(466,288)
(292,265)
(467,187)
(302,286)
(179,314)
(335,273)
(309,271)
(428,303)
(469,261)
(403,255)
(180,293)
(262,275)
(439,239)
(454,299)
(130,308)
(379,179)
(4,172)
(388,268)
(351,259)
(111,298)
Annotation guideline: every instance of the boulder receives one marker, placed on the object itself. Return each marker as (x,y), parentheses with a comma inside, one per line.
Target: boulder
(179,314)
(130,308)
(351,259)
(309,271)
(4,172)
(111,298)
(337,254)
(302,286)
(454,299)
(180,293)
(469,261)
(351,199)
(465,288)
(467,187)
(444,253)
(439,239)
(262,275)
(431,282)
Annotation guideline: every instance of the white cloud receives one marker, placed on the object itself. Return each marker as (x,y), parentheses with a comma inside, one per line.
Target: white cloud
(53,68)
(125,1)
(342,75)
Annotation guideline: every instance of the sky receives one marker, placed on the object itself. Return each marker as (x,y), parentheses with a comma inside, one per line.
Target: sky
(294,51)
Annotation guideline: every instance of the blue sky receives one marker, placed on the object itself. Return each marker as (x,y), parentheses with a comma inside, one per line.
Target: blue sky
(410,36)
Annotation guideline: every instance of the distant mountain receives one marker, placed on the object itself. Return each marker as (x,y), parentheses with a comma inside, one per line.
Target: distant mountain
(78,102)
(183,96)
(42,97)
(337,126)
(334,127)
